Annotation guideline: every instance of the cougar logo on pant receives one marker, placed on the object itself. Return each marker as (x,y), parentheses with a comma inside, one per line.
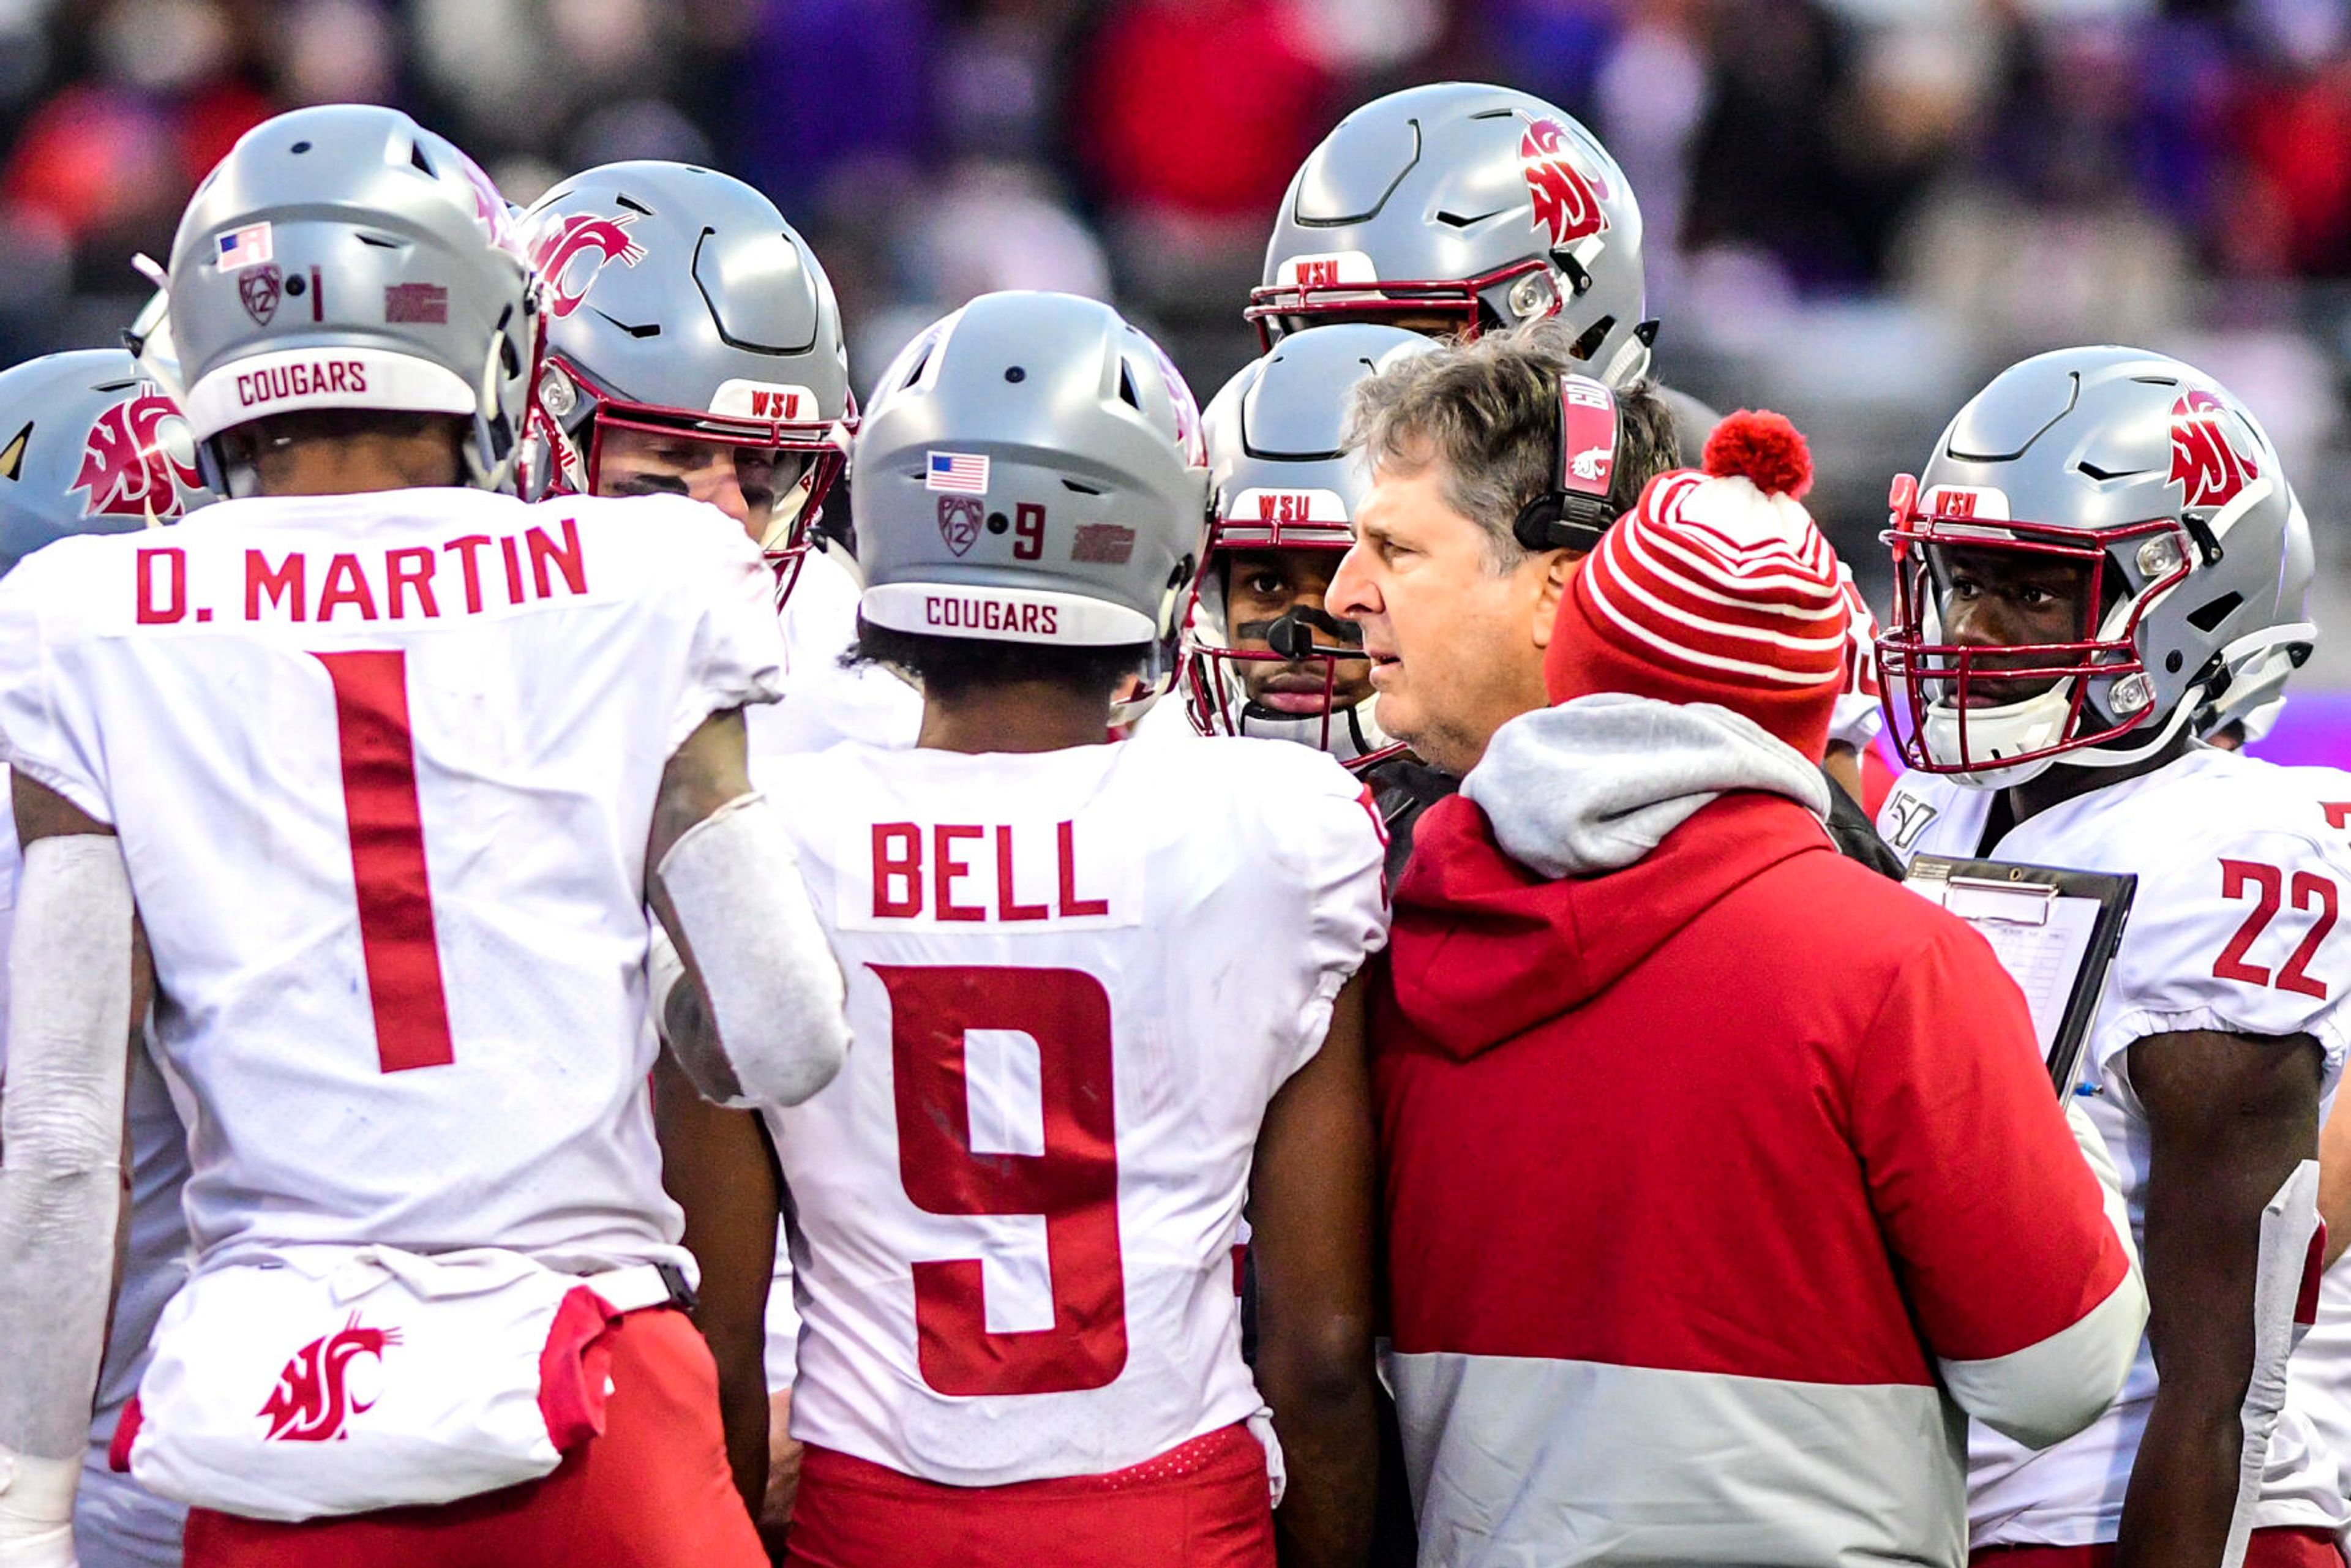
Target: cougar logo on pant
(311,1402)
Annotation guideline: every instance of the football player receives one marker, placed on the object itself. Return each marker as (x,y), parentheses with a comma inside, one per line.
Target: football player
(1101,996)
(2097,535)
(1281,495)
(1459,208)
(694,347)
(93,447)
(367,778)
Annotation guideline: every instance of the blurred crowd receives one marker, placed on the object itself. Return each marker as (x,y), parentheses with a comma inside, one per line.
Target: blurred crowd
(1856,209)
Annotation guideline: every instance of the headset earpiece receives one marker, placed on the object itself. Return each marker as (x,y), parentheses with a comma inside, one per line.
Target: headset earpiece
(1574,512)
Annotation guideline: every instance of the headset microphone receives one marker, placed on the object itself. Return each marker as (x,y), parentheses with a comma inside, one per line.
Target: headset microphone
(1291,636)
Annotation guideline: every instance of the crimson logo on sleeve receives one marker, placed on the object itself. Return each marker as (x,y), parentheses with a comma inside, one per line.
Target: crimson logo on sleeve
(312,1401)
(129,465)
(2205,462)
(1567,197)
(591,240)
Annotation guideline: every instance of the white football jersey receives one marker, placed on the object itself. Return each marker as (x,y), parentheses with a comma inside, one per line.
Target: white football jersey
(823,701)
(383,767)
(1076,979)
(2319,1376)
(2241,869)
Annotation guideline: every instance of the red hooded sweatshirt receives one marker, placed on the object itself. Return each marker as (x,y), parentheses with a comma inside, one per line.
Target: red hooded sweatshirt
(1719,1186)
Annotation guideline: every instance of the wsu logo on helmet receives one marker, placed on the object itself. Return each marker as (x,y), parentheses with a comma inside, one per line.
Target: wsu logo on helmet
(1567,199)
(127,466)
(570,255)
(2205,462)
(311,1403)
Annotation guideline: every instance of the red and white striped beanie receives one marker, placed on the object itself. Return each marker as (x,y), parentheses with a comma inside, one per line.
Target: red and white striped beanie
(1715,588)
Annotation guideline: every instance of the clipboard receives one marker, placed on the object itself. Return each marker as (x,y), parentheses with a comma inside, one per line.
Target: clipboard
(2055,931)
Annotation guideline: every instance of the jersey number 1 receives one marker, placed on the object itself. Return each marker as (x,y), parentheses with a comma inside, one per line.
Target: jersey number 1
(1074,1184)
(387,832)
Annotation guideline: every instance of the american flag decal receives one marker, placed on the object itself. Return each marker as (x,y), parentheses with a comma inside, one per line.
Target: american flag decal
(964,472)
(247,247)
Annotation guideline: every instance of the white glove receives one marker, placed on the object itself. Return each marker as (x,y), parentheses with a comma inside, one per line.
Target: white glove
(37,1510)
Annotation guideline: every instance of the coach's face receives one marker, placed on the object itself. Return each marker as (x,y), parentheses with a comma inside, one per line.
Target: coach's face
(1455,646)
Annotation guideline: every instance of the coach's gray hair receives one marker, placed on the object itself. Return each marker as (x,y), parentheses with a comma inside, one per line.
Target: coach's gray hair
(1488,412)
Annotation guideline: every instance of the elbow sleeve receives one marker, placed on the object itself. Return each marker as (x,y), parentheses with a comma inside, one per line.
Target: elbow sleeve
(61,1126)
(747,929)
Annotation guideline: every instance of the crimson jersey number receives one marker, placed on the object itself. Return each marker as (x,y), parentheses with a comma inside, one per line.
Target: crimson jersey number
(387,833)
(1074,1184)
(2268,887)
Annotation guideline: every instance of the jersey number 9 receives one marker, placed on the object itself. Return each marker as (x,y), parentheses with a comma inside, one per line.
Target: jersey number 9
(1074,1184)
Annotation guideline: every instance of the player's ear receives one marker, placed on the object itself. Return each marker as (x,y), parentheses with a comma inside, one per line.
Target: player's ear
(1558,566)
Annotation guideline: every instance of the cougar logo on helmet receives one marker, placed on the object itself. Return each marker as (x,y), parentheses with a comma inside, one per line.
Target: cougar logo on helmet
(1567,199)
(589,240)
(2205,464)
(312,1403)
(126,465)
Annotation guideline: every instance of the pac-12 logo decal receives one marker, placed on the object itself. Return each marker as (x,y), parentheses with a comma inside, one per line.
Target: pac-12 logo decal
(312,1401)
(129,465)
(1567,197)
(2205,462)
(571,255)
(260,287)
(959,521)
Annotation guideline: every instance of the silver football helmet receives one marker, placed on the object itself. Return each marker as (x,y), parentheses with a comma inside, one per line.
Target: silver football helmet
(345,257)
(676,299)
(1281,479)
(2159,495)
(1465,207)
(2257,665)
(87,446)
(1031,470)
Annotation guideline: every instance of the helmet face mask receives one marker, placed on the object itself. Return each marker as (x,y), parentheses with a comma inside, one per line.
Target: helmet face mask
(1457,307)
(1228,669)
(1284,488)
(795,463)
(1999,712)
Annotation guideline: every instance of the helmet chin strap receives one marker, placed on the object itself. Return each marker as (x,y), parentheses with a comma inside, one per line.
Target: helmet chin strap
(1349,734)
(2097,756)
(2125,757)
(784,515)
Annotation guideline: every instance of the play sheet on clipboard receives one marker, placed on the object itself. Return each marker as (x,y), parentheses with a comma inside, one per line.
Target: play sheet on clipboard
(2055,931)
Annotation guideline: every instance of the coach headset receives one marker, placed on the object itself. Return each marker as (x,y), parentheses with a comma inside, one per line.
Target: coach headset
(1572,513)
